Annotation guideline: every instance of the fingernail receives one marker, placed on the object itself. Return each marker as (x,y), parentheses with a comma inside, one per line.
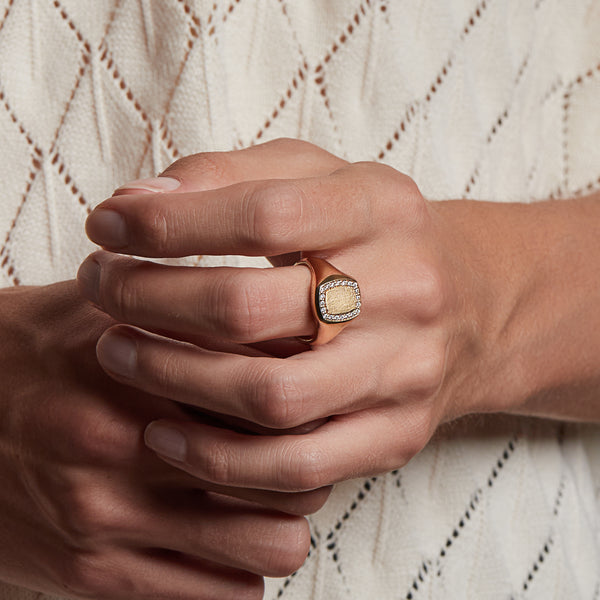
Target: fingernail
(88,278)
(153,184)
(166,441)
(107,228)
(118,354)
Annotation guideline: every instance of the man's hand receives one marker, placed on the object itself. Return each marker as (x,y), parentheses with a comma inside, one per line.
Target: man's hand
(459,312)
(86,510)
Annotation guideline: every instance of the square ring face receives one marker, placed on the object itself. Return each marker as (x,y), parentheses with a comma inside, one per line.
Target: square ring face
(338,300)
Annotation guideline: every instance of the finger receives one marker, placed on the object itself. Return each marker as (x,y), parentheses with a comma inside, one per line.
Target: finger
(228,531)
(275,393)
(277,159)
(152,573)
(297,503)
(238,304)
(258,218)
(349,446)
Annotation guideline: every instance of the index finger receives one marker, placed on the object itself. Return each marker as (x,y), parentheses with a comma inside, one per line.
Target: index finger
(256,218)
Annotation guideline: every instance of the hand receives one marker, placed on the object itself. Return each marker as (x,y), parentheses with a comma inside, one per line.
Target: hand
(86,510)
(385,383)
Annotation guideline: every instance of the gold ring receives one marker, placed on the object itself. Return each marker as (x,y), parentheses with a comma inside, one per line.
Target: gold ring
(334,299)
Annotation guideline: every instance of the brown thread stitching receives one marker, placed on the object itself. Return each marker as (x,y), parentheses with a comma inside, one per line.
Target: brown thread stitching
(17,122)
(565,133)
(168,139)
(9,267)
(229,11)
(283,5)
(545,551)
(497,124)
(474,177)
(586,189)
(72,26)
(188,11)
(410,112)
(476,15)
(579,80)
(69,182)
(301,73)
(211,20)
(556,85)
(299,76)
(108,61)
(464,518)
(585,77)
(319,73)
(195,29)
(211,16)
(71,186)
(122,84)
(86,60)
(6,11)
(35,162)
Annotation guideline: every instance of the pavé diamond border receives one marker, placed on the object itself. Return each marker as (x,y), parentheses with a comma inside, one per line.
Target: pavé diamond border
(331,282)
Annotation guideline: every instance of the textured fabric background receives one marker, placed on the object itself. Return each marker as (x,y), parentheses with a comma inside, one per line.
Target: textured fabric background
(490,100)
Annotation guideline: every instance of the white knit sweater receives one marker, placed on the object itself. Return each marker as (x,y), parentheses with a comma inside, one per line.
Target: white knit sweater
(490,100)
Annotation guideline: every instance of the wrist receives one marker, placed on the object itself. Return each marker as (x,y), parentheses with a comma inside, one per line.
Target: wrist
(530,288)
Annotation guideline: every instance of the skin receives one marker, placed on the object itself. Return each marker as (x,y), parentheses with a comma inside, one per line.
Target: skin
(467,308)
(87,510)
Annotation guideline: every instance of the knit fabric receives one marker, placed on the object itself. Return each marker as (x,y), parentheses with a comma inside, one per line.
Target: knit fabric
(490,100)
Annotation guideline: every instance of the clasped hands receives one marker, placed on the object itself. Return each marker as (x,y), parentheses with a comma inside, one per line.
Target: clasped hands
(270,417)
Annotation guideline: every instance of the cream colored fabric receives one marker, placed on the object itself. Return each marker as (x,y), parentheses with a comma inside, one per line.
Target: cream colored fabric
(491,100)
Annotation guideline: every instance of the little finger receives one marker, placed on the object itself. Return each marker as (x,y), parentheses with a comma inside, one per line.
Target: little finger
(355,445)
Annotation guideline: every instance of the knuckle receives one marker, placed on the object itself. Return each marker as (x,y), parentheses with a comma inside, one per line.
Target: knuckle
(85,520)
(79,576)
(429,294)
(429,372)
(287,548)
(152,227)
(275,210)
(244,303)
(212,167)
(108,440)
(402,202)
(162,366)
(280,405)
(218,464)
(121,292)
(305,466)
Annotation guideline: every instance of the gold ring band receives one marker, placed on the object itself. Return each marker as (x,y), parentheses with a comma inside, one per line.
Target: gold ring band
(334,299)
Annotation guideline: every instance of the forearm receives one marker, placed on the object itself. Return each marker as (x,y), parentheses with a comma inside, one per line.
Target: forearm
(535,277)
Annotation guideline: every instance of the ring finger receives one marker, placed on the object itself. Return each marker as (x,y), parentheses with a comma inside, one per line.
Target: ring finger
(240,304)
